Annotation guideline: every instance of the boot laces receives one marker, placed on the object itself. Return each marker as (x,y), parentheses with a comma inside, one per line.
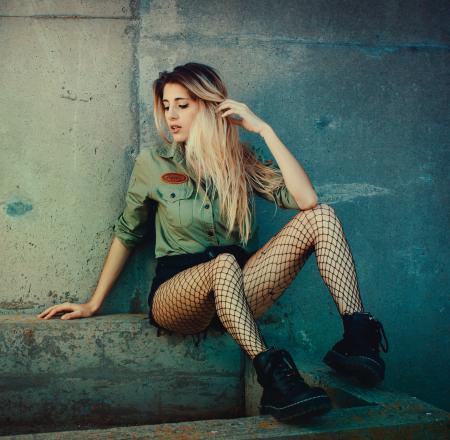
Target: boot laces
(285,372)
(375,337)
(381,335)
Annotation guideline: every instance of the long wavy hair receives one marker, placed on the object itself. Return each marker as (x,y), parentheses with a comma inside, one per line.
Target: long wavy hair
(213,152)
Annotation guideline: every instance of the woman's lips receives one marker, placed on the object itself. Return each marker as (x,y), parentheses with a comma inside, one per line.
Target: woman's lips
(175,129)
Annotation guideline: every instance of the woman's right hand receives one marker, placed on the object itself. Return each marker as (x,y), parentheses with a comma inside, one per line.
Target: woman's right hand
(77,311)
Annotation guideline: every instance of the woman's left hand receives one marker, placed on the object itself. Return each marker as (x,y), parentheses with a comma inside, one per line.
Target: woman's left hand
(249,120)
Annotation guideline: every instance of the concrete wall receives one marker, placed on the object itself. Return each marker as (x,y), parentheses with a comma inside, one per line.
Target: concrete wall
(69,131)
(357,90)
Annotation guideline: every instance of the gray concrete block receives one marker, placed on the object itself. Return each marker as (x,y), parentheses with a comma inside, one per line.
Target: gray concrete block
(68,141)
(68,8)
(381,24)
(110,371)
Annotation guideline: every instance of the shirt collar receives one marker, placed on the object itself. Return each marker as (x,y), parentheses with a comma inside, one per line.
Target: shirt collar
(174,150)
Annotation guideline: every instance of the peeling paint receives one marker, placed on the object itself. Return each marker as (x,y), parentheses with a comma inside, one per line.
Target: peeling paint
(345,192)
(324,122)
(305,339)
(426,178)
(17,208)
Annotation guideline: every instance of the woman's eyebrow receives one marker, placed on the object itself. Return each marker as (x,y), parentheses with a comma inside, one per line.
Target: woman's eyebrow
(176,99)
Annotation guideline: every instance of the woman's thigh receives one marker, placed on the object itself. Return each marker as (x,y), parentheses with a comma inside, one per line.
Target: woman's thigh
(273,267)
(185,302)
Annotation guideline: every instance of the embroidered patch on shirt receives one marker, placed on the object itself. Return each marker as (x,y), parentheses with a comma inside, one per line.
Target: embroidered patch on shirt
(174,178)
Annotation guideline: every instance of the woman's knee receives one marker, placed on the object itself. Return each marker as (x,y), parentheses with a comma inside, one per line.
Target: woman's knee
(225,264)
(319,208)
(325,209)
(226,259)
(314,220)
(321,212)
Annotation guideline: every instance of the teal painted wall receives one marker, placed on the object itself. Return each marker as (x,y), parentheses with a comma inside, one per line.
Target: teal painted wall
(358,92)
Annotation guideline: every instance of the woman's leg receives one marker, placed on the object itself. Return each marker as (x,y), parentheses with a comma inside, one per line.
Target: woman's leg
(273,267)
(187,302)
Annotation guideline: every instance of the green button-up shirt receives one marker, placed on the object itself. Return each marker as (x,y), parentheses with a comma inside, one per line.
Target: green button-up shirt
(182,224)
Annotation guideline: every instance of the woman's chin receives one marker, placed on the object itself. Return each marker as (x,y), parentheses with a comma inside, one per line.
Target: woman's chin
(179,138)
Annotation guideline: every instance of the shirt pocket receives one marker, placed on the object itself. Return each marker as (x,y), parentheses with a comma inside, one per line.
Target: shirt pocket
(177,203)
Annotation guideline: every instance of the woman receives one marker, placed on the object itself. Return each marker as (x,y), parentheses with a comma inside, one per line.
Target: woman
(209,271)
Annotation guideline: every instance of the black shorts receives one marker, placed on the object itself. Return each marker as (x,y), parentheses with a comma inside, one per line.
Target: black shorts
(169,266)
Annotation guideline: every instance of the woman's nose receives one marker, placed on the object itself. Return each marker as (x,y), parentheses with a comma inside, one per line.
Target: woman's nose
(171,113)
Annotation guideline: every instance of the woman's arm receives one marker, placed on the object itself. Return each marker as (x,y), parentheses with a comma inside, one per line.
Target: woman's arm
(129,229)
(295,177)
(118,255)
(114,263)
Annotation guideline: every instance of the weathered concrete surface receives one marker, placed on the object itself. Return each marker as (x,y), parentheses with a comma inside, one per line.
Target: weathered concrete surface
(69,8)
(357,414)
(69,133)
(390,422)
(112,371)
(358,92)
(369,413)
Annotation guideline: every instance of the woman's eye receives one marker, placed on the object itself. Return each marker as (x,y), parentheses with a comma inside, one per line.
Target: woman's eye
(181,106)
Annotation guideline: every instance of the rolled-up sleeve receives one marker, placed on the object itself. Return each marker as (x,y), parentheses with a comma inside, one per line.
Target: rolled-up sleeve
(281,195)
(131,225)
(284,199)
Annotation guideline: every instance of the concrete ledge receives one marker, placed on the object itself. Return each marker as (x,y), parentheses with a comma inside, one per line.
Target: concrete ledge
(67,379)
(349,424)
(112,370)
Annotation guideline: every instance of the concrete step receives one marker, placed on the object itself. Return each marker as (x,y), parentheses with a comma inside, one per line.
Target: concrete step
(110,377)
(112,370)
(390,421)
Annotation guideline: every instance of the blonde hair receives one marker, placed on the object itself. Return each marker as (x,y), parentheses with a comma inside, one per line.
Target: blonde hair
(213,152)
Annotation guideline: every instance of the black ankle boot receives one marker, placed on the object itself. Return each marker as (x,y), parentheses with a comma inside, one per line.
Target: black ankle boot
(285,394)
(357,353)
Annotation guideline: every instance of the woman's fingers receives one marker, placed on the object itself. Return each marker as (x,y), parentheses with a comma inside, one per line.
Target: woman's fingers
(75,314)
(48,313)
(229,104)
(228,112)
(76,311)
(41,315)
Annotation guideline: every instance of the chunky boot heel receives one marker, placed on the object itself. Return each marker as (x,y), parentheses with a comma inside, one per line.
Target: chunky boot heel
(285,393)
(357,354)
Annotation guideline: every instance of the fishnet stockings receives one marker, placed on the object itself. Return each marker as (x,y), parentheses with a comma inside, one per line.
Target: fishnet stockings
(187,302)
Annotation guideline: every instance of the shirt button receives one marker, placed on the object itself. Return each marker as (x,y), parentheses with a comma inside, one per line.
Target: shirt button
(210,233)
(172,195)
(206,206)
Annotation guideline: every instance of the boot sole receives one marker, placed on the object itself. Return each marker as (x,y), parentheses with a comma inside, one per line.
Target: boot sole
(365,369)
(312,406)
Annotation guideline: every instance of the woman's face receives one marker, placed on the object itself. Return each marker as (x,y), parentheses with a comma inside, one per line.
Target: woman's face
(179,110)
